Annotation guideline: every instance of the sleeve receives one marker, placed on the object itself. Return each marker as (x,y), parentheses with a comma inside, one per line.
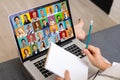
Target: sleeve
(112,73)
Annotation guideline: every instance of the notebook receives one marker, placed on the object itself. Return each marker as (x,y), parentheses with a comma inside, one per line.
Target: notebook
(59,60)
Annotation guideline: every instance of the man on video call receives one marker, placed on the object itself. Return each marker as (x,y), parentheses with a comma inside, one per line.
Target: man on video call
(109,71)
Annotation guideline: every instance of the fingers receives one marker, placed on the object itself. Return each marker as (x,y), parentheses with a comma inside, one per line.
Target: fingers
(88,54)
(67,75)
(94,50)
(59,78)
(91,48)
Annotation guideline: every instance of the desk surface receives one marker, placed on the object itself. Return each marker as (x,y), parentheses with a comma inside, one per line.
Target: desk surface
(13,70)
(107,40)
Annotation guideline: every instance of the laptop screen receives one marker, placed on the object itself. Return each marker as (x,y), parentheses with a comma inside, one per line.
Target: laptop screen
(35,28)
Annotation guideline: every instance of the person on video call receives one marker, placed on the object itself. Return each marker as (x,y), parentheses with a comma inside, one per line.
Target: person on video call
(63,6)
(61,27)
(110,72)
(57,9)
(23,43)
(57,40)
(37,26)
(63,35)
(29,30)
(42,46)
(52,22)
(31,40)
(26,53)
(35,18)
(35,50)
(54,31)
(59,18)
(42,13)
(50,11)
(21,33)
(26,20)
(65,16)
(47,33)
(40,36)
(45,23)
(17,21)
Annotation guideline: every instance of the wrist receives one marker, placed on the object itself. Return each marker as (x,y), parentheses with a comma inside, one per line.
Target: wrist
(105,66)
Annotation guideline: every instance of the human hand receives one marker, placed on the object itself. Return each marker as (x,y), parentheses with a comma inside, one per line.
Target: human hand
(79,32)
(94,55)
(66,75)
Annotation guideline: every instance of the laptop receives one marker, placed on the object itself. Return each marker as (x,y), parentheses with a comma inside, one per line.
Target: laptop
(35,28)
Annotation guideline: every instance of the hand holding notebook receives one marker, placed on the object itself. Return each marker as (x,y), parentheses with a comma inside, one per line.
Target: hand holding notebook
(59,60)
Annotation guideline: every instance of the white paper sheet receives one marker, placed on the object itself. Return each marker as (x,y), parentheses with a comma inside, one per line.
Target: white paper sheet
(59,60)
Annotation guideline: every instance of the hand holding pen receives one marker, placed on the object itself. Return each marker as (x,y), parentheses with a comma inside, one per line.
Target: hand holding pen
(93,53)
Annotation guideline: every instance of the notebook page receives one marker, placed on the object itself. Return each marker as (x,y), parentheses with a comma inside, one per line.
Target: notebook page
(59,60)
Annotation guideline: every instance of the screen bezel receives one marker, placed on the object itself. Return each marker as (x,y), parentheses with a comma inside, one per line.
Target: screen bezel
(43,52)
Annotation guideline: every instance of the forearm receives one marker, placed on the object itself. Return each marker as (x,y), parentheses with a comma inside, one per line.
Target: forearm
(111,73)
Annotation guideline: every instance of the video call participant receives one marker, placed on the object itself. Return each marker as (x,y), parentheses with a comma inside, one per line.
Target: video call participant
(40,37)
(57,8)
(37,26)
(61,27)
(26,20)
(63,7)
(47,33)
(68,24)
(42,13)
(23,42)
(65,16)
(35,18)
(52,22)
(50,11)
(63,36)
(32,40)
(70,33)
(26,53)
(42,46)
(29,30)
(48,42)
(21,33)
(45,23)
(57,41)
(55,32)
(17,21)
(35,50)
(59,18)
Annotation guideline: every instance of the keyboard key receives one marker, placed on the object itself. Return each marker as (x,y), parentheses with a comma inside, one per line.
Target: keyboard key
(40,66)
(45,75)
(74,49)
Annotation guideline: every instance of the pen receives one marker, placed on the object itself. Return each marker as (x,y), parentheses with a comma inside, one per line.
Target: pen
(89,34)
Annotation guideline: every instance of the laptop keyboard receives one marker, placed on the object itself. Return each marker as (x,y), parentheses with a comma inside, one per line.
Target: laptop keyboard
(40,66)
(72,49)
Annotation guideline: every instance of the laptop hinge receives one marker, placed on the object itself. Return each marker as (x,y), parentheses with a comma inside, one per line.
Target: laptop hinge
(65,43)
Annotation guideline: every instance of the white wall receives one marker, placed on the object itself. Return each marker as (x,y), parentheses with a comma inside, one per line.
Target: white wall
(115,11)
